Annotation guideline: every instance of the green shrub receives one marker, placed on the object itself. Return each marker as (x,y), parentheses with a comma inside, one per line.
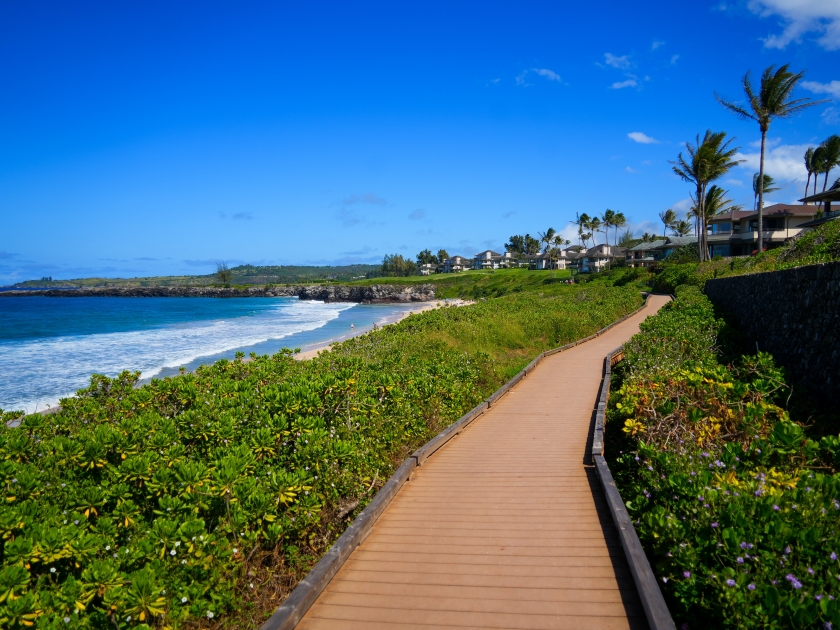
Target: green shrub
(209,495)
(737,507)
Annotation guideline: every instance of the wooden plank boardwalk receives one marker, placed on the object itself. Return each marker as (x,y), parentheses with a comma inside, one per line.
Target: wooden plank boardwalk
(505,526)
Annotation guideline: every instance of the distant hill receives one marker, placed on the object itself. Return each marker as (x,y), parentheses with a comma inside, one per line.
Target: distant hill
(242,275)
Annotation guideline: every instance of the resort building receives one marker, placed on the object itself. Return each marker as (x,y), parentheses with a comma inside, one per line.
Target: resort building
(489,259)
(427,269)
(736,233)
(456,264)
(646,254)
(595,258)
(557,260)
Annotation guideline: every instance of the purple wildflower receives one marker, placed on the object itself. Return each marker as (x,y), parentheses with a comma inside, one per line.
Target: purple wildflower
(665,580)
(775,508)
(730,582)
(686,574)
(740,560)
(743,545)
(793,581)
(810,571)
(833,556)
(714,524)
(787,550)
(751,587)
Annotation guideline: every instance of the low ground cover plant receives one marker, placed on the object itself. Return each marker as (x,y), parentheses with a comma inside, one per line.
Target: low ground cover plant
(731,484)
(200,500)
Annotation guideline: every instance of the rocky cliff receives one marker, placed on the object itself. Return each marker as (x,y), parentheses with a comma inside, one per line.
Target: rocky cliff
(375,293)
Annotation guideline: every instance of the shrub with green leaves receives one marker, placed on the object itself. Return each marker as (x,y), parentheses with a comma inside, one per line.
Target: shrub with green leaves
(735,500)
(207,496)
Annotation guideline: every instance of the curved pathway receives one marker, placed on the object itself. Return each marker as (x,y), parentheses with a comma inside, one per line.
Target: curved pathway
(505,526)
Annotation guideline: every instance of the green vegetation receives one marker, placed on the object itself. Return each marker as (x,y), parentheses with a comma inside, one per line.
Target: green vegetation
(730,479)
(241,275)
(820,245)
(207,496)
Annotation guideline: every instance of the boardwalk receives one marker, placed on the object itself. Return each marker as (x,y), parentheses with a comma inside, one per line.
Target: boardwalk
(505,526)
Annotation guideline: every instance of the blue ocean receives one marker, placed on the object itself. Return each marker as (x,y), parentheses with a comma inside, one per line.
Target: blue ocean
(49,347)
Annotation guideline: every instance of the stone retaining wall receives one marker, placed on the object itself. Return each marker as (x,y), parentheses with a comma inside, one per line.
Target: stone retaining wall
(793,314)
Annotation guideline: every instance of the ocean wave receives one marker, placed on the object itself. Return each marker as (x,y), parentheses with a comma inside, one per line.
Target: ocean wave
(37,373)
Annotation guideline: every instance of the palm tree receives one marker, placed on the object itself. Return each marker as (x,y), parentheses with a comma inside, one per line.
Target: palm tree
(608,219)
(769,182)
(818,164)
(831,156)
(595,227)
(707,161)
(681,228)
(581,221)
(546,238)
(809,166)
(619,221)
(668,217)
(773,100)
(717,204)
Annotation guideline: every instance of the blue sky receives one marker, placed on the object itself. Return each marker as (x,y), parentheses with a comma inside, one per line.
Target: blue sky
(156,138)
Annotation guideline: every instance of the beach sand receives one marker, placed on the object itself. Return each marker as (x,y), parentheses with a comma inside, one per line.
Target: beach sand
(315,350)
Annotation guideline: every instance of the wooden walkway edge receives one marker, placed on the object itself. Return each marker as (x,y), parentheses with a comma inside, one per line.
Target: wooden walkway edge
(507,526)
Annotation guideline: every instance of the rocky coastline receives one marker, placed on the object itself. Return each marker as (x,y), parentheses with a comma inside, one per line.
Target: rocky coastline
(371,294)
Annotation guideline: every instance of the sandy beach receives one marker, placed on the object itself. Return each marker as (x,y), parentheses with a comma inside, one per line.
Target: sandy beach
(313,351)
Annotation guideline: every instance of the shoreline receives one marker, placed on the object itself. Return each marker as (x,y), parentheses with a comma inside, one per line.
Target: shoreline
(316,349)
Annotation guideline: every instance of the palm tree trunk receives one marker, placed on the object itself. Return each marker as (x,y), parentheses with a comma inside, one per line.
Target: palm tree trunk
(761,193)
(825,182)
(807,183)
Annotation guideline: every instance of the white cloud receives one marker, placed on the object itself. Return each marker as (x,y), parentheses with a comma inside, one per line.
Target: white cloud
(784,162)
(733,182)
(417,214)
(543,72)
(674,59)
(622,63)
(832,88)
(548,74)
(800,17)
(683,205)
(641,138)
(831,116)
(623,84)
(656,44)
(630,169)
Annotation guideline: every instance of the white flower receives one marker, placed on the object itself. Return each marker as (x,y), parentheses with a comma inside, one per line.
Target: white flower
(67,620)
(209,614)
(177,543)
(128,618)
(52,569)
(107,547)
(235,550)
(183,600)
(172,553)
(251,585)
(183,562)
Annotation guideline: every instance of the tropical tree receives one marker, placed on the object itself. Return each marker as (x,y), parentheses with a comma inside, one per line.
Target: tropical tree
(772,100)
(648,238)
(442,255)
(668,218)
(830,156)
(809,166)
(681,228)
(224,273)
(818,163)
(426,257)
(707,161)
(769,184)
(619,221)
(608,220)
(582,223)
(594,227)
(626,238)
(515,244)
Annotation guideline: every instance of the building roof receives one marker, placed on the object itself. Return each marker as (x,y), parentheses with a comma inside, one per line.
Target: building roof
(825,219)
(679,241)
(643,247)
(776,210)
(488,251)
(832,194)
